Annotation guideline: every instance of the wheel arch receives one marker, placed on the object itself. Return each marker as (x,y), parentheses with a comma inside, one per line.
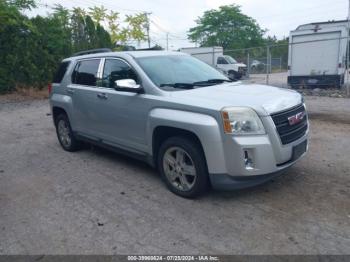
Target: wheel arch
(162,133)
(202,128)
(56,111)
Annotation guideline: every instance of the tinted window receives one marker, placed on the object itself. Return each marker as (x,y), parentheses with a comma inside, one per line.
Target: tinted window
(60,72)
(114,70)
(222,61)
(85,72)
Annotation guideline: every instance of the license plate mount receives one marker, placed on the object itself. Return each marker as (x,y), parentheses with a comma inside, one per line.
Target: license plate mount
(299,150)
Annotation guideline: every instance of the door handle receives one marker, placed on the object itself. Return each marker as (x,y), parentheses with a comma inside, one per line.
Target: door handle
(102,96)
(70,91)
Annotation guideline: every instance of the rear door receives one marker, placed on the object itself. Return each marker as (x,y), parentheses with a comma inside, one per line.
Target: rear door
(315,54)
(84,93)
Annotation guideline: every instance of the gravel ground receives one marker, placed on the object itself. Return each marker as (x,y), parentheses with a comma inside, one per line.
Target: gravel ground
(97,202)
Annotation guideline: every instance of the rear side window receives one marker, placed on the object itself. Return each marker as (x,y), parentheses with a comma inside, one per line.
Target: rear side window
(61,72)
(85,72)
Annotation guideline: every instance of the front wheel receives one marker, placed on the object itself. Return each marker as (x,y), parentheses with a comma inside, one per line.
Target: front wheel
(182,165)
(233,75)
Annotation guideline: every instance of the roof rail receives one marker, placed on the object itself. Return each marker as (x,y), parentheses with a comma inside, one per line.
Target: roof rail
(154,48)
(93,51)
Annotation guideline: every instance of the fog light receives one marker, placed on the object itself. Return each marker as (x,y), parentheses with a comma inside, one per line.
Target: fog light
(248,159)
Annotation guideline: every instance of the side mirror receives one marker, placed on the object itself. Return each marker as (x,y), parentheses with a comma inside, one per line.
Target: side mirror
(127,85)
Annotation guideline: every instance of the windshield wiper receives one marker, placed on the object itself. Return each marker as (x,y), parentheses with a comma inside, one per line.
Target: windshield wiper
(179,85)
(192,85)
(212,81)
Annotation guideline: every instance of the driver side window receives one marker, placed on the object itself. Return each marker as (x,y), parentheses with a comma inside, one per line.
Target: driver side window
(114,70)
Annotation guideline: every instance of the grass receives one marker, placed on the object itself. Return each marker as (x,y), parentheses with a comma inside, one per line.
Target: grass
(23,94)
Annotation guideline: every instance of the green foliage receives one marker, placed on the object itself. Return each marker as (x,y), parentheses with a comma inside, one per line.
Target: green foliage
(21,4)
(135,29)
(98,14)
(227,27)
(279,48)
(137,25)
(31,49)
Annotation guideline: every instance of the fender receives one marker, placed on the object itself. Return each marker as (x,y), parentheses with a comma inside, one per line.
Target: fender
(205,127)
(65,102)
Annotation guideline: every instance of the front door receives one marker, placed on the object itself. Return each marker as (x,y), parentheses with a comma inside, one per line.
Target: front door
(122,115)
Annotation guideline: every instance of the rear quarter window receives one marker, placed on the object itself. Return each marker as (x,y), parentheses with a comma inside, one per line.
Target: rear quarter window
(62,69)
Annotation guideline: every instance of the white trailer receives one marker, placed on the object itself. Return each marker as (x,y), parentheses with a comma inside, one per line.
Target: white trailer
(317,55)
(215,57)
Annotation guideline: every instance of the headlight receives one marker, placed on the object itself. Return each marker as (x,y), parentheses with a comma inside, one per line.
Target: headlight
(241,121)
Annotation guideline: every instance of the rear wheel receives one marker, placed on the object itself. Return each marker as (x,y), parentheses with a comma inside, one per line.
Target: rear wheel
(65,134)
(182,165)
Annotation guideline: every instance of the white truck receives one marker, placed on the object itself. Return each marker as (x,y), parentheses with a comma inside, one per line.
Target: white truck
(215,57)
(317,55)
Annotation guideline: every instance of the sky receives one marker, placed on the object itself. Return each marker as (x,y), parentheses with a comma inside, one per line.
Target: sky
(279,17)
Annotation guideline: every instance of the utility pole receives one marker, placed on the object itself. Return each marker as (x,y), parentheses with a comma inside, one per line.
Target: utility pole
(267,64)
(148,29)
(167,41)
(347,55)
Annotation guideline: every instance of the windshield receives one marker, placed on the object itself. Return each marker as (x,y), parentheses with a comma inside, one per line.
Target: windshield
(230,59)
(179,71)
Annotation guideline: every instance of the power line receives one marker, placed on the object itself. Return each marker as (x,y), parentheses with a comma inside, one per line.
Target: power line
(109,6)
(167,32)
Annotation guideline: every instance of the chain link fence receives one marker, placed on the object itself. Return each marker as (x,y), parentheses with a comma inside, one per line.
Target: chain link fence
(265,65)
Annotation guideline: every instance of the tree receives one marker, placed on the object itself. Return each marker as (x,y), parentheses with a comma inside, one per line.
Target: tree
(227,27)
(32,48)
(135,28)
(103,37)
(17,39)
(21,4)
(79,39)
(113,25)
(98,14)
(279,49)
(90,33)
(137,25)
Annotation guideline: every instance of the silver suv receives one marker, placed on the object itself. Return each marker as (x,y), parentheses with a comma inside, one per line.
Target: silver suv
(181,116)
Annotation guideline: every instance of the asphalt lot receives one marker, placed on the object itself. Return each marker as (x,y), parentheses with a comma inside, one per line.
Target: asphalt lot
(97,202)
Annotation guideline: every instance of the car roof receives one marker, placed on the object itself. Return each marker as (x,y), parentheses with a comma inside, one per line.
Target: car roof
(135,54)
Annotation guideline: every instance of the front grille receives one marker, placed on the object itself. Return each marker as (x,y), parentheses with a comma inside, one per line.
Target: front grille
(242,70)
(289,133)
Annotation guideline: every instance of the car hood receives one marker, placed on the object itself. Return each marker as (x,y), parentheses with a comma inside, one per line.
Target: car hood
(265,100)
(240,65)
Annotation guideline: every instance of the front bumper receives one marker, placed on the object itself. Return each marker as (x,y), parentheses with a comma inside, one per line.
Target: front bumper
(269,158)
(227,182)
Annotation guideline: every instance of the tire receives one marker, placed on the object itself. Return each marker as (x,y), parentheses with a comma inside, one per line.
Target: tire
(65,134)
(178,176)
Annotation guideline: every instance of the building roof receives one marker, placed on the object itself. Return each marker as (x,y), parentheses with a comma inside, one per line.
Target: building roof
(323,23)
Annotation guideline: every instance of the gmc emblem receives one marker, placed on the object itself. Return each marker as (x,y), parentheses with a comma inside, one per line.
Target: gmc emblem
(293,120)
